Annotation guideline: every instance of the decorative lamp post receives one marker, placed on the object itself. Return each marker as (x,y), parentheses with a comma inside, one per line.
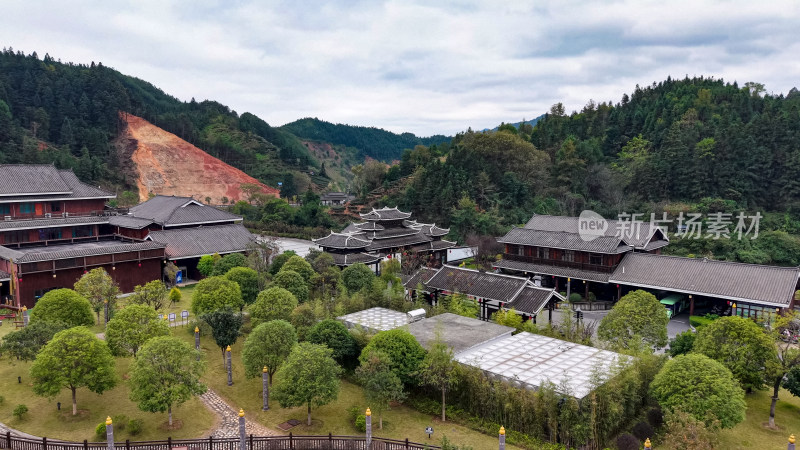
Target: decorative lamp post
(502,438)
(368,416)
(242,432)
(791,443)
(197,341)
(110,433)
(228,363)
(105,308)
(647,443)
(25,317)
(265,385)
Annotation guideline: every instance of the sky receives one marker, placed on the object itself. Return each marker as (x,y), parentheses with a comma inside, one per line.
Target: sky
(426,67)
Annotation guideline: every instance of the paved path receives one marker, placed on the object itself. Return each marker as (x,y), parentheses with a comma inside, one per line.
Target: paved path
(229,418)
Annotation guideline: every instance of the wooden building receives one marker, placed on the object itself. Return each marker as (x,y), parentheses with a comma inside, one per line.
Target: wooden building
(386,233)
(53,228)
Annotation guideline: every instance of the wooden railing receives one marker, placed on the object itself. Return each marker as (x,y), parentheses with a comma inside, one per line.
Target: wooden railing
(559,263)
(329,442)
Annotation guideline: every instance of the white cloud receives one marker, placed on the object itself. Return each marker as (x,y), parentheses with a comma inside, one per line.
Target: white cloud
(424,67)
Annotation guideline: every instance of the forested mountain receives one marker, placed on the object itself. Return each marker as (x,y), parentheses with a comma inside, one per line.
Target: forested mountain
(691,145)
(370,141)
(67,114)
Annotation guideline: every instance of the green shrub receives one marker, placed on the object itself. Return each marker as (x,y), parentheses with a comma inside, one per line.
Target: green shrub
(135,426)
(699,321)
(19,411)
(361,423)
(591,297)
(100,431)
(575,297)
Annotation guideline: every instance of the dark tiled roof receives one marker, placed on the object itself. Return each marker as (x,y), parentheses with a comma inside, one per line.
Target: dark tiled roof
(127,221)
(655,244)
(638,238)
(421,276)
(342,241)
(369,226)
(552,270)
(18,179)
(353,258)
(4,276)
(336,196)
(18,182)
(76,250)
(204,240)
(80,189)
(532,299)
(176,211)
(431,229)
(385,213)
(493,286)
(397,242)
(391,233)
(564,240)
(751,283)
(435,245)
(50,223)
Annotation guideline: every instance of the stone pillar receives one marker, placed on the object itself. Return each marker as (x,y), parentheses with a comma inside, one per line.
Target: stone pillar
(105,310)
(110,433)
(791,443)
(25,317)
(569,287)
(368,416)
(265,387)
(242,431)
(197,341)
(691,305)
(228,364)
(502,438)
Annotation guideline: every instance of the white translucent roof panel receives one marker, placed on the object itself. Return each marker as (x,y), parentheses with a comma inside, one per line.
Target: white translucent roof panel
(378,319)
(532,359)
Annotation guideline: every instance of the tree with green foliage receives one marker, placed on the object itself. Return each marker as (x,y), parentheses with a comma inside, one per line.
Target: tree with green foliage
(309,377)
(165,374)
(153,294)
(174,296)
(437,369)
(381,385)
(225,324)
(682,344)
(65,306)
(247,279)
(741,345)
(299,265)
(334,335)
(132,327)
(357,276)
(702,387)
(279,261)
(206,264)
(275,303)
(637,314)
(228,262)
(685,432)
(99,288)
(268,345)
(127,199)
(213,293)
(292,282)
(509,318)
(303,317)
(403,351)
(787,357)
(74,358)
(24,344)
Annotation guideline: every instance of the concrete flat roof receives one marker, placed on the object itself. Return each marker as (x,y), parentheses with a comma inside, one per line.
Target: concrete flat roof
(458,332)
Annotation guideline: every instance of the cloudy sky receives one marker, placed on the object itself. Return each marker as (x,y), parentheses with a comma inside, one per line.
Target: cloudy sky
(421,66)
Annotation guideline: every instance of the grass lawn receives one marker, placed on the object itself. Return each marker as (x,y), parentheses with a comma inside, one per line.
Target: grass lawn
(399,423)
(753,433)
(43,418)
(184,304)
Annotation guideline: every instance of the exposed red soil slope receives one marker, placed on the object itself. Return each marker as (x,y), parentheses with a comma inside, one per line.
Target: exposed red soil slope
(162,163)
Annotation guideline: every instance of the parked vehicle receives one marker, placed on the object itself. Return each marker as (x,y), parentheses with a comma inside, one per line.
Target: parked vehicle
(674,304)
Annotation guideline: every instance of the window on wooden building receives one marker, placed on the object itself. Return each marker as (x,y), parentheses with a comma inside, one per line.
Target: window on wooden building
(55,206)
(543,253)
(13,237)
(48,234)
(5,210)
(596,259)
(84,231)
(27,208)
(568,255)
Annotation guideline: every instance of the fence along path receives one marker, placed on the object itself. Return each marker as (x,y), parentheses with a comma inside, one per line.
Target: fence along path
(329,442)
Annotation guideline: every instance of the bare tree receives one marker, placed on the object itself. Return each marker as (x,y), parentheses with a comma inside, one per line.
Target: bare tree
(487,249)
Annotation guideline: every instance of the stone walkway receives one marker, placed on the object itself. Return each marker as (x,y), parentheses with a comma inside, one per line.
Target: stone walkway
(229,418)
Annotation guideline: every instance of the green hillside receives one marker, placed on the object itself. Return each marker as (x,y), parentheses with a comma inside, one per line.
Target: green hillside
(372,142)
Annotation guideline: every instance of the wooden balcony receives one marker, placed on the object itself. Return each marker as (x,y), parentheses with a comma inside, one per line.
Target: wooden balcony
(559,263)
